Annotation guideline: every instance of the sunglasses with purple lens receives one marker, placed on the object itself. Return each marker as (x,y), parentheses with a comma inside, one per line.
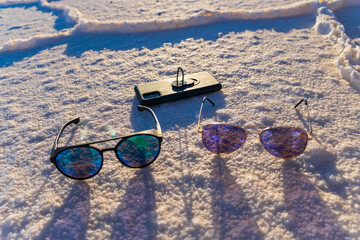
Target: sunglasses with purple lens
(281,142)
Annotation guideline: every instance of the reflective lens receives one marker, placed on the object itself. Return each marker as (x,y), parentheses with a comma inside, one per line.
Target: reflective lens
(222,138)
(139,150)
(284,142)
(79,162)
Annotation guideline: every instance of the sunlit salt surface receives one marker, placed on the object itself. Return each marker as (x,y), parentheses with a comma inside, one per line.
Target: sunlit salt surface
(267,60)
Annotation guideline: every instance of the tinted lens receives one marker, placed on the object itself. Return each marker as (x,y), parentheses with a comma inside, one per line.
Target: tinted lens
(284,142)
(79,162)
(139,150)
(222,138)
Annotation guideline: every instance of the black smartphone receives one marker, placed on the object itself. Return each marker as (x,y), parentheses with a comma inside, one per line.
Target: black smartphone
(173,89)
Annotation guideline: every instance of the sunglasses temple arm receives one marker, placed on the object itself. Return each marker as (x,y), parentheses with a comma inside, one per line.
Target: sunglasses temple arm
(75,121)
(141,108)
(308,113)
(202,104)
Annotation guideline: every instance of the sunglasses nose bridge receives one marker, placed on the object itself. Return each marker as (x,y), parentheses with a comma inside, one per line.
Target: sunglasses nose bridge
(253,130)
(106,149)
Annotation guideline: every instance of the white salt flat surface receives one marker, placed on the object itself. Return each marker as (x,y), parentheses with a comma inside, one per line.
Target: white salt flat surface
(60,65)
(161,9)
(348,17)
(21,22)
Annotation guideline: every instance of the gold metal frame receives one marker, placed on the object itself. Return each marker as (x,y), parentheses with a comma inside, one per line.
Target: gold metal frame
(259,130)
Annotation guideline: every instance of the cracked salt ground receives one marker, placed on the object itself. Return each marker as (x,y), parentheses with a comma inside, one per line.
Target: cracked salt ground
(266,65)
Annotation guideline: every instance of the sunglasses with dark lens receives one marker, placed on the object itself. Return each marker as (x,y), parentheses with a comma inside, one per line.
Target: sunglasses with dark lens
(281,142)
(84,161)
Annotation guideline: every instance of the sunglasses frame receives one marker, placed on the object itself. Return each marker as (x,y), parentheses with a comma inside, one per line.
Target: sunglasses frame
(152,132)
(258,130)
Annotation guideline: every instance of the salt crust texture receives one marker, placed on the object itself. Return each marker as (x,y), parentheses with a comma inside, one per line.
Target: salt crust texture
(326,24)
(348,62)
(265,67)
